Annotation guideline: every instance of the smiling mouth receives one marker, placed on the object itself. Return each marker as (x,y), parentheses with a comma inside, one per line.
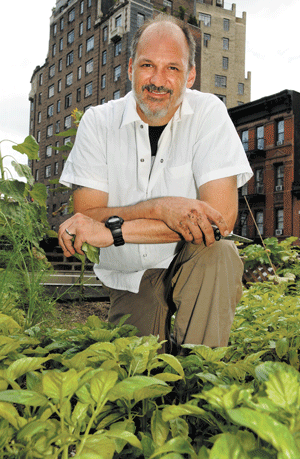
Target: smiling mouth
(161,90)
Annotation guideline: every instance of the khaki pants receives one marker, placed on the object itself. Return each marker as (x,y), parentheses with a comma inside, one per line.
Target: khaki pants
(202,286)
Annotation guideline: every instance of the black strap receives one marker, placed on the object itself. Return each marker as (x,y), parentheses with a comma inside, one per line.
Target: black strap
(154,135)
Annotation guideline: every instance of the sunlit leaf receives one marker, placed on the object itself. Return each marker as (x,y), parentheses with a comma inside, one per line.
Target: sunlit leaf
(29,147)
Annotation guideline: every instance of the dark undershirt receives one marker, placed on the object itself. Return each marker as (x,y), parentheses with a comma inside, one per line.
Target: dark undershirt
(154,135)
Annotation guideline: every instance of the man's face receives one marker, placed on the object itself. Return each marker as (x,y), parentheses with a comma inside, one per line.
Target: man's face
(159,73)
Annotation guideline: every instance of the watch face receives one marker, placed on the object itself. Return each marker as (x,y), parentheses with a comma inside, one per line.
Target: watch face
(113,220)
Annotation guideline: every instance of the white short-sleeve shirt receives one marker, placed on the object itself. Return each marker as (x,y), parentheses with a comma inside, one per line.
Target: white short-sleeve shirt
(112,153)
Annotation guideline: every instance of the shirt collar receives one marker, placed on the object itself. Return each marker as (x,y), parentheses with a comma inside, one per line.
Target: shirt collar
(130,114)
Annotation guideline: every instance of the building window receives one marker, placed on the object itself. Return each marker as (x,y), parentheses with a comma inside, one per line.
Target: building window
(245,140)
(36,175)
(58,106)
(280,132)
(50,130)
(53,50)
(78,95)
(81,29)
(225,61)
(59,86)
(38,137)
(117,73)
(140,19)
(68,122)
(60,65)
(102,101)
(90,44)
(70,58)
(81,7)
(259,180)
(52,71)
(40,98)
(89,66)
(259,218)
(48,171)
(118,48)
(105,33)
(71,16)
(117,94)
(226,43)
(48,151)
(279,177)
(104,57)
(118,21)
(260,138)
(220,81)
(57,146)
(89,3)
(40,79)
(51,91)
(241,88)
(69,79)
(62,24)
(205,18)
(61,44)
(79,73)
(88,91)
(54,30)
(70,37)
(103,81)
(226,24)
(56,168)
(57,127)
(89,23)
(80,51)
(206,39)
(279,222)
(50,111)
(39,117)
(222,98)
(243,223)
(68,100)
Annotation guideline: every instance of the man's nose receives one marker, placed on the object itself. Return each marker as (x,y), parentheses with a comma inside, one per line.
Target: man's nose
(158,77)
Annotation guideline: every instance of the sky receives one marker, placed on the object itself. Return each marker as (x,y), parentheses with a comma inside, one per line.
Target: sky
(272,54)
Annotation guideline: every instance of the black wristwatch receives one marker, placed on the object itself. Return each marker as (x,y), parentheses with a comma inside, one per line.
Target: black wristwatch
(114,224)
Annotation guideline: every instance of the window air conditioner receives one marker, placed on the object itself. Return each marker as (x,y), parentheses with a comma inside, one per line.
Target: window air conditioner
(259,189)
(278,188)
(278,232)
(279,142)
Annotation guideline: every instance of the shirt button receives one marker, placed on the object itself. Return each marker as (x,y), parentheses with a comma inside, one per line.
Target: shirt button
(161,160)
(141,126)
(142,160)
(145,255)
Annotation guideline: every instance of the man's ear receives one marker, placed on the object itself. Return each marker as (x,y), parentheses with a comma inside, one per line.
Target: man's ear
(130,69)
(191,77)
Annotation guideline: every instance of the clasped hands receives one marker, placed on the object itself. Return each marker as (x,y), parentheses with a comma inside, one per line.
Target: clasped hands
(191,219)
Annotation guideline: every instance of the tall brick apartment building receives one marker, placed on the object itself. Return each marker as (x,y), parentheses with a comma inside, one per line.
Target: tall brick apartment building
(86,65)
(270,132)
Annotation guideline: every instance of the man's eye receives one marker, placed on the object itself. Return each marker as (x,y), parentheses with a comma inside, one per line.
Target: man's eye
(173,68)
(146,65)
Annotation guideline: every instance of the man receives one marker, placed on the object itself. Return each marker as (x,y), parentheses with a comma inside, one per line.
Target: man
(167,161)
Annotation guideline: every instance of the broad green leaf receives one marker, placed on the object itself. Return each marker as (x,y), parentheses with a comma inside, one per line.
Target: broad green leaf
(93,253)
(151,392)
(203,453)
(101,384)
(39,194)
(23,171)
(79,412)
(171,412)
(57,384)
(267,428)
(168,377)
(228,446)
(283,389)
(67,133)
(23,397)
(25,365)
(32,428)
(178,445)
(13,189)
(9,412)
(127,388)
(173,362)
(210,355)
(282,347)
(126,436)
(159,428)
(179,428)
(29,147)
(98,446)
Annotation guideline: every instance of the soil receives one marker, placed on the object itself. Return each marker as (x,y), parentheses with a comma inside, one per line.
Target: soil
(71,312)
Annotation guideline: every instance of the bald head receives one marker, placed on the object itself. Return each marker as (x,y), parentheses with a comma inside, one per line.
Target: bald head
(164,25)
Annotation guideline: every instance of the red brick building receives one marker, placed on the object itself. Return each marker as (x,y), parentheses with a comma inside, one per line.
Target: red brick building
(270,132)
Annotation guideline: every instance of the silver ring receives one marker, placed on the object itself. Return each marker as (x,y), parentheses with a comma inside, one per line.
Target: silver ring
(68,232)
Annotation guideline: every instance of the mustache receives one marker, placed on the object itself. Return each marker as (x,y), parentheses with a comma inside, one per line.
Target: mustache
(159,89)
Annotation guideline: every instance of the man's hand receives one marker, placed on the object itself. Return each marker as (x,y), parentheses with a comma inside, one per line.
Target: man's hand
(85,229)
(191,218)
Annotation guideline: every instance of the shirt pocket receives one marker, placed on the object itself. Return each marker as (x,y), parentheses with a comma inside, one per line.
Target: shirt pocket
(181,171)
